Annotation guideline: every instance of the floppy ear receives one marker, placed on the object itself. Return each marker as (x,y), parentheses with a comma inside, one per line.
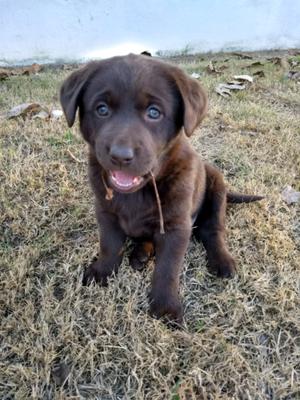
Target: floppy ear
(194,101)
(70,93)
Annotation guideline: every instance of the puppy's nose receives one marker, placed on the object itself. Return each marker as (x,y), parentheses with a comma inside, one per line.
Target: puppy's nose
(121,154)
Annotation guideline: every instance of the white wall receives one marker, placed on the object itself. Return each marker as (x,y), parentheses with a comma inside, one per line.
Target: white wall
(48,30)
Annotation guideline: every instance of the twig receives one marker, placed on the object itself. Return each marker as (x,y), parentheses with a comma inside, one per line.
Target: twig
(161,218)
(75,158)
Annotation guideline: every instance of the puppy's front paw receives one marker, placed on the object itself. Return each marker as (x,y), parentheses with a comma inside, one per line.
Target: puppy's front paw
(226,266)
(167,306)
(96,272)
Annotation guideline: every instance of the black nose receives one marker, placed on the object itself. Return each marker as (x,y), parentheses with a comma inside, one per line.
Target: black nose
(121,154)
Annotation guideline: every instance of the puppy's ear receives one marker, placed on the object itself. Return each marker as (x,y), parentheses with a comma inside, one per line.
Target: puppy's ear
(70,93)
(194,101)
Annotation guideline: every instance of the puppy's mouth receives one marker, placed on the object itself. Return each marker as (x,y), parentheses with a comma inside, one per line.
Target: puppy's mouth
(125,182)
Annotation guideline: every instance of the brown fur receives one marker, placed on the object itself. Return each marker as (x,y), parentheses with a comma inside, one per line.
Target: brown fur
(191,192)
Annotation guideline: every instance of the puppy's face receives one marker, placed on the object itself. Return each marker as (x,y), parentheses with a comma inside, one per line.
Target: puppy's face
(130,110)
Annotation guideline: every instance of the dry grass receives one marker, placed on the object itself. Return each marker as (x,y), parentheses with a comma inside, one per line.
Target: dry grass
(63,341)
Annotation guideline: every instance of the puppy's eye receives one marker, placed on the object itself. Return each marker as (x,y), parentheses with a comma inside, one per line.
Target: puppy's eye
(153,112)
(103,110)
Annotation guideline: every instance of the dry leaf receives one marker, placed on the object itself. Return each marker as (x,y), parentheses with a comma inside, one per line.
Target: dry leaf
(146,53)
(237,84)
(32,69)
(242,55)
(222,67)
(259,74)
(195,75)
(294,52)
(290,195)
(243,78)
(67,67)
(294,75)
(211,69)
(254,64)
(282,61)
(222,90)
(249,133)
(41,115)
(274,60)
(56,114)
(294,63)
(234,85)
(7,72)
(34,111)
(24,110)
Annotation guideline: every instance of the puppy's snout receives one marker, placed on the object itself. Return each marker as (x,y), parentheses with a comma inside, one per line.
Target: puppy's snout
(121,154)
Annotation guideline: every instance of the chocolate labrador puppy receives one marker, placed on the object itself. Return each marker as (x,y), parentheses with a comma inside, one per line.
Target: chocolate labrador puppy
(136,113)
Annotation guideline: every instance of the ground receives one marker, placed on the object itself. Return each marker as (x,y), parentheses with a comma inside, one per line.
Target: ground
(241,338)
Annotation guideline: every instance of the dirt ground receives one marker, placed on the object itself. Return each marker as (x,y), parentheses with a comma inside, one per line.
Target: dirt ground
(241,338)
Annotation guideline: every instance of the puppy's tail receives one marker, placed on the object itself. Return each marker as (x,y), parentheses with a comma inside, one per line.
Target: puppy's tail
(233,197)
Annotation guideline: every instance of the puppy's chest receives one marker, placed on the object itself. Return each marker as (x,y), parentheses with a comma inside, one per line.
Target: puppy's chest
(137,214)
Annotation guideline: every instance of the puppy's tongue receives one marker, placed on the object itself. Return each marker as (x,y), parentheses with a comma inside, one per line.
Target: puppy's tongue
(124,179)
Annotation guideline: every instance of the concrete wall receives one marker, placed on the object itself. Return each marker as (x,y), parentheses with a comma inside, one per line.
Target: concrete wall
(49,30)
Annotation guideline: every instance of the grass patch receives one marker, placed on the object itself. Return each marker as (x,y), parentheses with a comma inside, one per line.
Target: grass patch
(60,340)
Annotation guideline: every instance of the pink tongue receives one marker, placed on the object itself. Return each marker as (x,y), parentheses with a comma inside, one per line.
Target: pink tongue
(123,178)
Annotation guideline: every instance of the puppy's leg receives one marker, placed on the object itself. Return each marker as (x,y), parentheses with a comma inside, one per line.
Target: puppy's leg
(112,239)
(210,225)
(141,254)
(164,296)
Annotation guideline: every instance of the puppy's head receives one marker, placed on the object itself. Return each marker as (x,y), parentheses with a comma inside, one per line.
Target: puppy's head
(130,109)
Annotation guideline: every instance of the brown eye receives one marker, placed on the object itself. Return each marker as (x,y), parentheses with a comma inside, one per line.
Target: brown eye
(103,110)
(153,112)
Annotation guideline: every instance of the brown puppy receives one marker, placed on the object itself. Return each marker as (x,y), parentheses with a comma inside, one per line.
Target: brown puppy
(136,113)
